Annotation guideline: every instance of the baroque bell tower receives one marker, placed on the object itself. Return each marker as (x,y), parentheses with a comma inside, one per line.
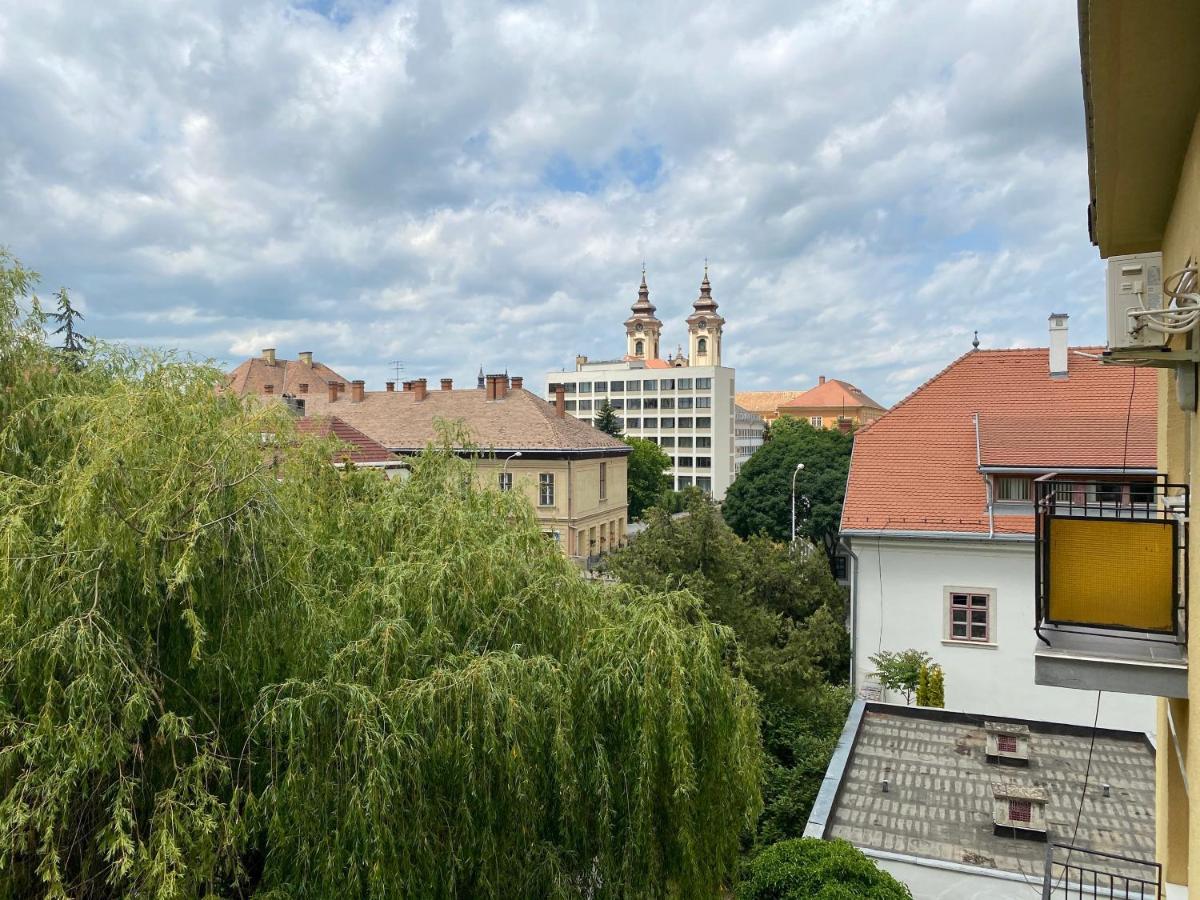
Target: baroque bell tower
(704,328)
(642,329)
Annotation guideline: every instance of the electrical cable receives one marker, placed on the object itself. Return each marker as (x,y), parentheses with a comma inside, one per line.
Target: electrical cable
(1087,774)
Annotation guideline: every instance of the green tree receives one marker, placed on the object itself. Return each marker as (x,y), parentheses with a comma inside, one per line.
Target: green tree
(923,686)
(901,672)
(760,498)
(607,421)
(811,869)
(230,670)
(787,613)
(65,317)
(647,479)
(937,687)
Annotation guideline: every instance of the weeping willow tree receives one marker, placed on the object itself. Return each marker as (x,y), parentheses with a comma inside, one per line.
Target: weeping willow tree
(228,669)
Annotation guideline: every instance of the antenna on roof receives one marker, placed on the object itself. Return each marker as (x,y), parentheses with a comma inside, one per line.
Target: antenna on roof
(975,343)
(397,366)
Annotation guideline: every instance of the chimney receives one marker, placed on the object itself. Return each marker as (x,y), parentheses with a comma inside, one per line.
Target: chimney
(268,388)
(501,387)
(447,384)
(420,389)
(304,387)
(580,362)
(269,356)
(306,357)
(357,391)
(1006,744)
(1058,345)
(495,387)
(518,382)
(408,385)
(560,401)
(333,391)
(389,386)
(821,380)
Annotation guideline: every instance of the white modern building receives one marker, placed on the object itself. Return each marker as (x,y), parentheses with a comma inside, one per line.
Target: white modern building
(939,519)
(748,430)
(682,403)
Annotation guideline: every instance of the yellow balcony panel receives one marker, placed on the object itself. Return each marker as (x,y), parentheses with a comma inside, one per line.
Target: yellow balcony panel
(1111,573)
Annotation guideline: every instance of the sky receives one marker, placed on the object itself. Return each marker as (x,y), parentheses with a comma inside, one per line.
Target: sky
(466,184)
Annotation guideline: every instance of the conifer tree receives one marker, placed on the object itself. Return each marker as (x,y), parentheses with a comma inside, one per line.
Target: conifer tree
(66,317)
(607,421)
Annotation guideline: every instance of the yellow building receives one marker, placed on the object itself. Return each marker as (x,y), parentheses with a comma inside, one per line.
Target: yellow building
(1114,591)
(832,403)
(573,474)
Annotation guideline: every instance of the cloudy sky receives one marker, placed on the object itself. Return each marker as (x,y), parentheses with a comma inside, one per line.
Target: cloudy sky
(463,183)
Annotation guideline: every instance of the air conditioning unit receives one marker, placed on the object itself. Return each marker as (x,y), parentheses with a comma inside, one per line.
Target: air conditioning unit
(1134,284)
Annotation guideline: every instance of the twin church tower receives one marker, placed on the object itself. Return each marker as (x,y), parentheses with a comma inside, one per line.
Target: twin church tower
(643,330)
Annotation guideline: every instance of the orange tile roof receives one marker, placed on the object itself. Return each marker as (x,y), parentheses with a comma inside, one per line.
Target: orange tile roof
(519,421)
(650,363)
(359,448)
(285,376)
(764,401)
(833,394)
(914,469)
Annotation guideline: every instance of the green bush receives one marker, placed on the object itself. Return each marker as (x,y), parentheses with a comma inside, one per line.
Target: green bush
(809,869)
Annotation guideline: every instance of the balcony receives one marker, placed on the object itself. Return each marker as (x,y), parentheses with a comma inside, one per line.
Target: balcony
(1111,585)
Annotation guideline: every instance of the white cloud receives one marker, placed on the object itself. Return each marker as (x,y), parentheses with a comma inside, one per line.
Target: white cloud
(468,183)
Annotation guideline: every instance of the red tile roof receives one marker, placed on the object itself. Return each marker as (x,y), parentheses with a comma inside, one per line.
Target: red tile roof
(915,468)
(359,448)
(834,394)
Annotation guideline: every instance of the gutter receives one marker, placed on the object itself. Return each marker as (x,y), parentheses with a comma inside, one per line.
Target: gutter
(845,545)
(937,535)
(987,482)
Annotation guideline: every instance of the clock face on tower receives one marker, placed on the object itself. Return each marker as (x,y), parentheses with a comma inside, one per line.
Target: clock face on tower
(639,326)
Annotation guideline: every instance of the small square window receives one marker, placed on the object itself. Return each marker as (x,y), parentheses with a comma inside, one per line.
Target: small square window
(1014,489)
(969,616)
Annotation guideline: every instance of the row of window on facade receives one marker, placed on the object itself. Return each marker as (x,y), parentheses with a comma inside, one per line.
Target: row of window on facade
(703,482)
(546,485)
(1019,489)
(700,443)
(650,384)
(666,422)
(638,403)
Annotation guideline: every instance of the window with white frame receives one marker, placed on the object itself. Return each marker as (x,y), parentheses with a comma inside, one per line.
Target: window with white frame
(506,481)
(603,481)
(1014,488)
(969,614)
(546,489)
(816,421)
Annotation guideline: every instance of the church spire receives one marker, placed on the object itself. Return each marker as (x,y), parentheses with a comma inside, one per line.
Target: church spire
(704,327)
(642,329)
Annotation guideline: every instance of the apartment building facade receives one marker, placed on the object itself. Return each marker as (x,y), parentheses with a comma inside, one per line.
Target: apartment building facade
(1130,593)
(683,403)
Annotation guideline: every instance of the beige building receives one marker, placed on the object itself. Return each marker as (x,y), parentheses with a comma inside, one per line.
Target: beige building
(832,403)
(573,474)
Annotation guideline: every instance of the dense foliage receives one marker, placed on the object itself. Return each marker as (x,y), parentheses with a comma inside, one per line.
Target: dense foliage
(809,869)
(647,475)
(229,669)
(787,613)
(760,499)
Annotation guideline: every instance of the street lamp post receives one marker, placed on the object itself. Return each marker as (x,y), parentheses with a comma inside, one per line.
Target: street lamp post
(799,469)
(504,468)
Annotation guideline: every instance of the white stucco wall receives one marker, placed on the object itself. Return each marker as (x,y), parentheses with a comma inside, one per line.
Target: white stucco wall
(900,604)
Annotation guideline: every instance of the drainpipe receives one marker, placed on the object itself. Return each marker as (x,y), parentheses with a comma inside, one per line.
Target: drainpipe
(987,482)
(844,543)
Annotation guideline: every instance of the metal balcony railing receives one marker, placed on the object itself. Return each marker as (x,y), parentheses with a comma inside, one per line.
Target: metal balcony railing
(1112,556)
(1073,872)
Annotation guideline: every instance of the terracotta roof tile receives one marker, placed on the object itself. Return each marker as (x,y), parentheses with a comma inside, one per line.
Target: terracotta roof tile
(285,376)
(914,469)
(764,401)
(519,421)
(834,393)
(362,449)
